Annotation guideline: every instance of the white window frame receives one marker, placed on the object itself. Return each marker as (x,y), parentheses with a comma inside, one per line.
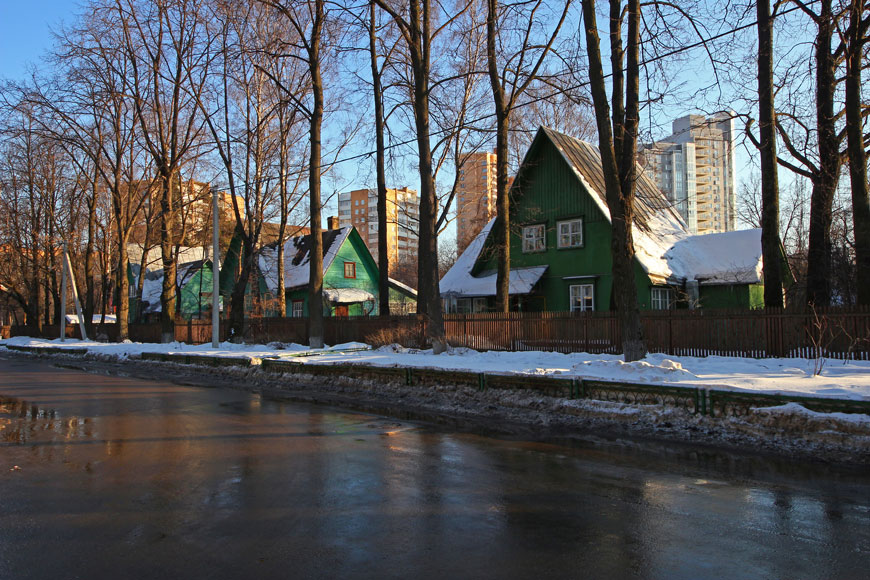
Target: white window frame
(586,294)
(657,297)
(297,308)
(570,234)
(534,239)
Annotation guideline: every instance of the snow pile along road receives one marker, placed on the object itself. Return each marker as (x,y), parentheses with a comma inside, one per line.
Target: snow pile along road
(838,379)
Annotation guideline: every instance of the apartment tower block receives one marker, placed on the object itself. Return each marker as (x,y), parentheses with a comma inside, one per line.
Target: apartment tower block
(475,197)
(359,208)
(695,169)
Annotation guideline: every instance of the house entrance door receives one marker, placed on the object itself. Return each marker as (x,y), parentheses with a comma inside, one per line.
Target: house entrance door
(341,311)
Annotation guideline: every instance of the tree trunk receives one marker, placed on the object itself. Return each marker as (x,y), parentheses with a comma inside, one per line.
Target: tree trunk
(770,242)
(315,264)
(380,162)
(619,171)
(90,300)
(123,292)
(281,295)
(857,154)
(429,299)
(503,224)
(167,296)
(825,182)
(237,300)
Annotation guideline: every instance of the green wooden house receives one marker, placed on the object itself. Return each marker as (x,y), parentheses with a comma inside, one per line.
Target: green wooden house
(350,276)
(560,245)
(194,287)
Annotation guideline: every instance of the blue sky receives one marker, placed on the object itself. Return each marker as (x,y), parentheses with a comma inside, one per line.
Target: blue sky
(25,36)
(24,31)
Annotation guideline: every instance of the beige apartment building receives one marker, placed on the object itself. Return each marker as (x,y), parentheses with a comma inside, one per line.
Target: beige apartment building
(359,208)
(476,196)
(695,168)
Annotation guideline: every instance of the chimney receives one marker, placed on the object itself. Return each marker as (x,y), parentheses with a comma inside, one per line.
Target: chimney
(332,222)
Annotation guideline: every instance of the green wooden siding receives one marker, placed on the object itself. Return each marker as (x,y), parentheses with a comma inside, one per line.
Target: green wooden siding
(193,303)
(352,250)
(732,296)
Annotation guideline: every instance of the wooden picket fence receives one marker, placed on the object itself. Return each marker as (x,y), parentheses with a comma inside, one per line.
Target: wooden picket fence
(839,333)
(832,332)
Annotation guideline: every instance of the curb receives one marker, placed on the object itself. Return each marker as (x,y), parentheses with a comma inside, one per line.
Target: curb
(697,400)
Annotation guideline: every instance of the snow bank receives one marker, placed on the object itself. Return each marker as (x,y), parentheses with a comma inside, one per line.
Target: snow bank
(789,376)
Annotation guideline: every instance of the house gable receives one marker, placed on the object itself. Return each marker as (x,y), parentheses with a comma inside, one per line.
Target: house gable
(344,246)
(353,250)
(548,191)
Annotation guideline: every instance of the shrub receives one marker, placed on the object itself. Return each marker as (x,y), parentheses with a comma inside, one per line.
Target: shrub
(407,336)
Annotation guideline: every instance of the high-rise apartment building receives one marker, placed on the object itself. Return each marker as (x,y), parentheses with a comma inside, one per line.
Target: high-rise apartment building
(695,169)
(475,197)
(359,208)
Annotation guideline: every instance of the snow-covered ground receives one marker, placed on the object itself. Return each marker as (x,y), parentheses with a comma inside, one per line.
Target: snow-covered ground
(838,379)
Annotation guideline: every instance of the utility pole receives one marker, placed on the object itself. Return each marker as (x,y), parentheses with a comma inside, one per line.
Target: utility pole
(215,273)
(67,268)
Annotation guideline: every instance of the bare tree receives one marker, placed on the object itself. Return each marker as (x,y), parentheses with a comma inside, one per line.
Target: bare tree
(99,119)
(510,75)
(770,241)
(617,141)
(816,149)
(241,112)
(416,26)
(856,38)
(307,20)
(163,45)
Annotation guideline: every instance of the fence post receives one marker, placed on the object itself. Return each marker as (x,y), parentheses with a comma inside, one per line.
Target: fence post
(586,330)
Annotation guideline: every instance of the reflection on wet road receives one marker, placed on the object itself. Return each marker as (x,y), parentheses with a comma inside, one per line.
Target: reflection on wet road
(107,477)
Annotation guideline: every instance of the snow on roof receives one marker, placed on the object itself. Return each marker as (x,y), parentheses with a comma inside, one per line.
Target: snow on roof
(726,258)
(267,262)
(399,285)
(154,255)
(153,285)
(296,258)
(96,318)
(347,295)
(459,281)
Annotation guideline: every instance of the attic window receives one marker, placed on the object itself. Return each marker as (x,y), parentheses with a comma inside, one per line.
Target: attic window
(350,269)
(533,239)
(570,233)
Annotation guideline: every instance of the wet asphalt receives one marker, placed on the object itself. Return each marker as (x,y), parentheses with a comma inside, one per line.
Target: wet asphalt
(111,477)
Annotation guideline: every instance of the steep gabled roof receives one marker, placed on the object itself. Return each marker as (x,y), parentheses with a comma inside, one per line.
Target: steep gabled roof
(152,288)
(297,257)
(657,225)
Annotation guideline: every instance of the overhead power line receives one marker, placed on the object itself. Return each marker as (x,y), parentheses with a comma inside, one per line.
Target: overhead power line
(651,60)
